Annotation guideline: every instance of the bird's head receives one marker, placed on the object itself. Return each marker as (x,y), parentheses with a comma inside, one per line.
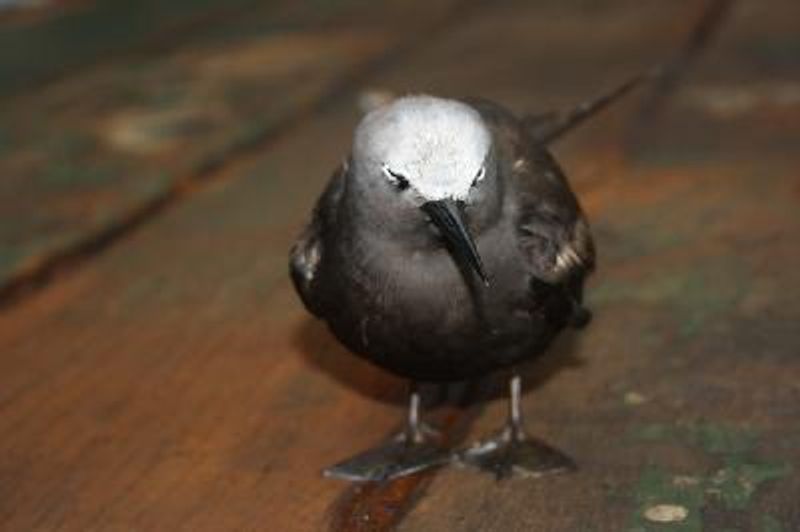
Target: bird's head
(425,167)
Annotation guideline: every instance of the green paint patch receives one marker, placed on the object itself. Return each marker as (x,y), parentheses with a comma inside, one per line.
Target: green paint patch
(770,524)
(657,487)
(732,485)
(712,438)
(736,482)
(68,174)
(697,294)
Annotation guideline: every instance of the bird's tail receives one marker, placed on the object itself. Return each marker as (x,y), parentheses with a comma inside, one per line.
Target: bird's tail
(549,127)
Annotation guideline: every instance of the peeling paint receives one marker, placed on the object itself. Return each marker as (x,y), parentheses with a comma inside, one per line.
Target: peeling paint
(732,484)
(656,487)
(770,524)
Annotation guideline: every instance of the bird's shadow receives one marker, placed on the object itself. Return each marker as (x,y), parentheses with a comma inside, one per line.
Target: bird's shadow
(561,355)
(324,353)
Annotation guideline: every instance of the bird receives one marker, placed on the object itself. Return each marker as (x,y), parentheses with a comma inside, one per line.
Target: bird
(447,246)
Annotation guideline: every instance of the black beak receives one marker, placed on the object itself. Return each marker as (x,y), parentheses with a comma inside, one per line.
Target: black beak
(447,216)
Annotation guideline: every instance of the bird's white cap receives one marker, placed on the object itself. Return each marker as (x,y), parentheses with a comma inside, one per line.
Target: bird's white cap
(438,145)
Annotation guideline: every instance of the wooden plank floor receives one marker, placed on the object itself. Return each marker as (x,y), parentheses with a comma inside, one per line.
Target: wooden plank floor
(173,382)
(107,147)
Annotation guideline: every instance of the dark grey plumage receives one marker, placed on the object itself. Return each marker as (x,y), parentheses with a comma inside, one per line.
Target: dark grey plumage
(448,246)
(405,304)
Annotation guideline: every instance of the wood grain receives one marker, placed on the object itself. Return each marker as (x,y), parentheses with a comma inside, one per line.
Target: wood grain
(174,382)
(107,148)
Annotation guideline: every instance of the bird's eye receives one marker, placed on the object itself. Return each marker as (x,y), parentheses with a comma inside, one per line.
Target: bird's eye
(399,180)
(481,173)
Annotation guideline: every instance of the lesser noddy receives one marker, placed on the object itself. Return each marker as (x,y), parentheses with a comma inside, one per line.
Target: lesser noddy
(447,246)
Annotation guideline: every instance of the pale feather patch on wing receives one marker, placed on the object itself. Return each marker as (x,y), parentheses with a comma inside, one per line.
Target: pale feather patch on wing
(567,259)
(521,165)
(577,253)
(306,255)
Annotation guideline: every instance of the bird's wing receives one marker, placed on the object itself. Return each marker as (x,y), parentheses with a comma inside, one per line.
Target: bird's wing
(553,232)
(308,251)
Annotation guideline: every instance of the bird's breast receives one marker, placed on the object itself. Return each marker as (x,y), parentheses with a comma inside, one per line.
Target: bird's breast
(414,289)
(411,310)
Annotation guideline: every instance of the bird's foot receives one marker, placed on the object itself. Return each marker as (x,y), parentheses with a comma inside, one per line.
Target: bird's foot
(513,453)
(409,452)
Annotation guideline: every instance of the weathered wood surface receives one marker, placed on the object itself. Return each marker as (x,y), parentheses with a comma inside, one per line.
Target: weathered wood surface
(107,147)
(684,390)
(174,382)
(42,41)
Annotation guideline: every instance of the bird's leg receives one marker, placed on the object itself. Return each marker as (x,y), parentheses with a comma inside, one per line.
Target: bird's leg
(416,432)
(512,451)
(515,427)
(414,449)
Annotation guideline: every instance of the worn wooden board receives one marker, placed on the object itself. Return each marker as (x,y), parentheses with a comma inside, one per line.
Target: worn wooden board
(174,382)
(43,41)
(101,149)
(684,390)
